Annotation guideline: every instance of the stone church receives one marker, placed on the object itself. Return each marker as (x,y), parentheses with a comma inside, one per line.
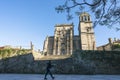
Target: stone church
(65,42)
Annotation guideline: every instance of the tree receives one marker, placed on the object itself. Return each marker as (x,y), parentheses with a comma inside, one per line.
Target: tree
(106,12)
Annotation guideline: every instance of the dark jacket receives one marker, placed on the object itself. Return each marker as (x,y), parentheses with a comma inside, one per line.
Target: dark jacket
(49,65)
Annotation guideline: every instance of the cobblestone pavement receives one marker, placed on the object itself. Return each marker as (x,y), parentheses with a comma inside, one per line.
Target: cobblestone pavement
(58,77)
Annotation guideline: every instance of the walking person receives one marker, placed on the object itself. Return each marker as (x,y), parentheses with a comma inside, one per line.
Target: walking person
(48,70)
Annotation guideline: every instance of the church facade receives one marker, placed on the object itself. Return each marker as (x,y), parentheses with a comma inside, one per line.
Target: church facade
(64,42)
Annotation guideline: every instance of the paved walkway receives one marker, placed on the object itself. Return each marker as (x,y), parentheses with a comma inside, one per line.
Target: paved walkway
(58,77)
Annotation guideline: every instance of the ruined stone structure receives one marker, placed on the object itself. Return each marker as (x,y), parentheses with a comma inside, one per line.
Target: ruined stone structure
(65,42)
(112,45)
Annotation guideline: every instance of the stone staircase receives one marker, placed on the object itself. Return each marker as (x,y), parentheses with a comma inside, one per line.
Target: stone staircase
(36,55)
(39,56)
(55,57)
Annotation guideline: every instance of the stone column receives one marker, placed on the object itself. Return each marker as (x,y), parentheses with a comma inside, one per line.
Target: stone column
(68,49)
(32,46)
(59,44)
(93,45)
(54,48)
(20,47)
(71,41)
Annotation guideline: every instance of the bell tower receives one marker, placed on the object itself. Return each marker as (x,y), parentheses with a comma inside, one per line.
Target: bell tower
(86,32)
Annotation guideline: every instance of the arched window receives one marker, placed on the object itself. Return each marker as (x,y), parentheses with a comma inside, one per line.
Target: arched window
(85,18)
(81,18)
(88,18)
(88,30)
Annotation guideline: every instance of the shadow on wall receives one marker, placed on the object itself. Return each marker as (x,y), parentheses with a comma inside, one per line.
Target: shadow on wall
(25,63)
(81,62)
(21,64)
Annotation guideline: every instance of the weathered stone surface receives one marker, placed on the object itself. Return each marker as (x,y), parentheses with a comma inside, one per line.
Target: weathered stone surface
(81,62)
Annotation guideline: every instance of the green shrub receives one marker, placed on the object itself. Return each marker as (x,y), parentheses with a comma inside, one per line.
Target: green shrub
(116,46)
(6,53)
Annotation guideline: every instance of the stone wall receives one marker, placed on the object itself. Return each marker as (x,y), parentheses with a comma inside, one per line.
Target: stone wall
(98,62)
(82,62)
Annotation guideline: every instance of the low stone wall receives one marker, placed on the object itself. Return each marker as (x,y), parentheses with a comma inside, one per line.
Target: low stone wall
(81,62)
(98,62)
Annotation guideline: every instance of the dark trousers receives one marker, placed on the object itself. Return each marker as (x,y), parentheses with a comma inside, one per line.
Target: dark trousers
(48,72)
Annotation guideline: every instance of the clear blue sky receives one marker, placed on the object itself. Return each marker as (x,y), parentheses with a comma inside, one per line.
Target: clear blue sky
(22,21)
